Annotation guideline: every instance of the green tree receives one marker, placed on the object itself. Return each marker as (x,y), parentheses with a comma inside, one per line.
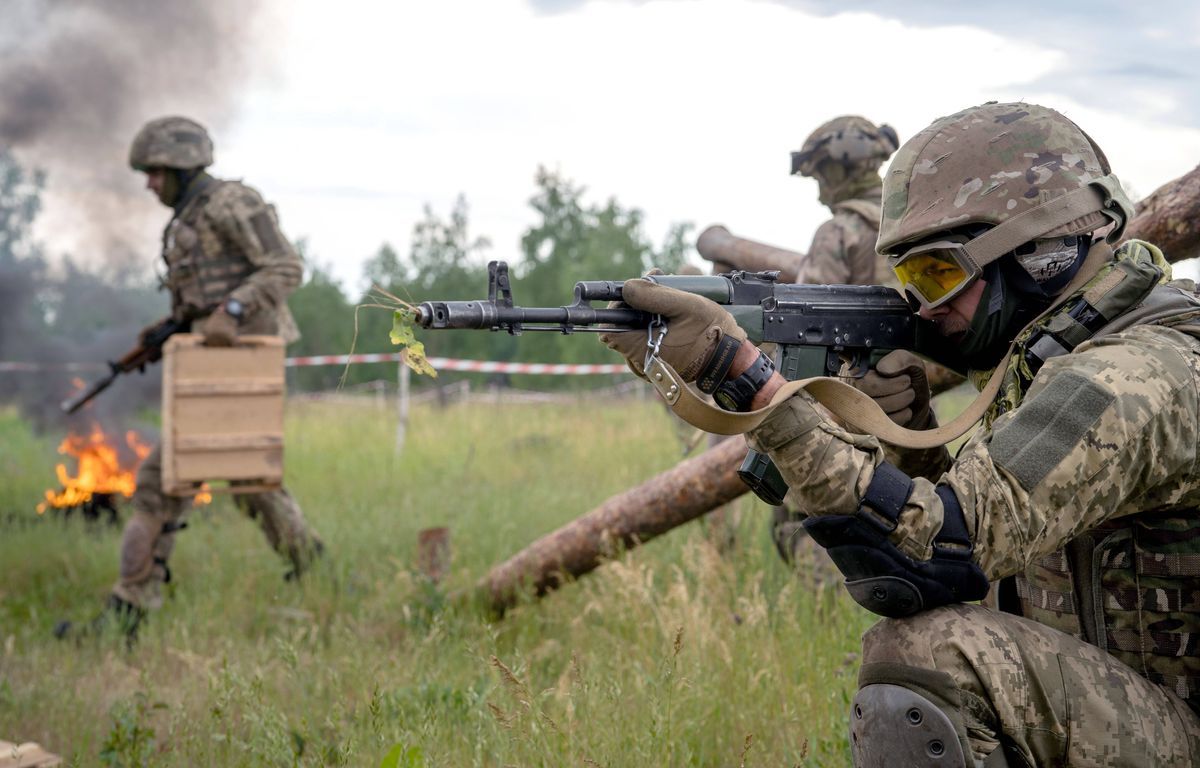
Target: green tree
(573,241)
(20,202)
(325,318)
(445,261)
(22,269)
(443,254)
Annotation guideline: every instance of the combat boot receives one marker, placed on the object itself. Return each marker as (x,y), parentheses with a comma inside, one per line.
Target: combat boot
(302,564)
(121,614)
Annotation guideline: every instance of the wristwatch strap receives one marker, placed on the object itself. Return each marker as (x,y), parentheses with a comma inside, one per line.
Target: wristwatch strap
(737,394)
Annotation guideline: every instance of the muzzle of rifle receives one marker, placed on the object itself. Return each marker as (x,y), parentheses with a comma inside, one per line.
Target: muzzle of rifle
(480,315)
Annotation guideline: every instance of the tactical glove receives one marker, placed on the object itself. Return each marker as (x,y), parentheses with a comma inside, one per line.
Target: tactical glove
(695,325)
(900,387)
(220,329)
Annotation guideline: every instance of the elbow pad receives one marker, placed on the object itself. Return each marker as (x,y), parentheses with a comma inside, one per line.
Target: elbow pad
(879,576)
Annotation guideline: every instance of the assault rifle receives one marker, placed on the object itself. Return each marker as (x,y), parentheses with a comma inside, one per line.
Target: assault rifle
(148,350)
(816,330)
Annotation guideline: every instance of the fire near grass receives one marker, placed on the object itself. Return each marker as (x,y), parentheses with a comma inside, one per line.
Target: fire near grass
(673,655)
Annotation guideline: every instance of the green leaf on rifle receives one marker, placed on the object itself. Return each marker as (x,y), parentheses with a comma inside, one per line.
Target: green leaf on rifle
(414,351)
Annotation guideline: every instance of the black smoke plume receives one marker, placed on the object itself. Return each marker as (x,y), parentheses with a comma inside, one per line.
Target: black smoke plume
(77,80)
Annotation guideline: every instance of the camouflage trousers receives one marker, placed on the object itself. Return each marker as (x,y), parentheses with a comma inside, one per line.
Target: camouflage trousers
(1048,698)
(149,534)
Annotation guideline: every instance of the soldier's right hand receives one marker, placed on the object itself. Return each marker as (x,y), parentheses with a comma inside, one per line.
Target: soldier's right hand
(901,388)
(220,329)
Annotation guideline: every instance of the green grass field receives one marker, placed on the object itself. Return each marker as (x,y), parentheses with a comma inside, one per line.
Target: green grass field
(674,655)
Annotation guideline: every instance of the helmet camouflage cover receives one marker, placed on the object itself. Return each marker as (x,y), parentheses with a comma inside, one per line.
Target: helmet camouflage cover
(171,142)
(855,142)
(991,163)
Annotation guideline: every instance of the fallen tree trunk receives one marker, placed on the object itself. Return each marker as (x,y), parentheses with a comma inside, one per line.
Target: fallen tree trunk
(721,247)
(665,501)
(1170,217)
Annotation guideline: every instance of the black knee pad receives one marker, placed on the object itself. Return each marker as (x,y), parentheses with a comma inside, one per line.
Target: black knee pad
(891,727)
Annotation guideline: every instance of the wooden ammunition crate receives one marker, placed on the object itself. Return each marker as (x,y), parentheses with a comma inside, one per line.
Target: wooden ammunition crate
(222,414)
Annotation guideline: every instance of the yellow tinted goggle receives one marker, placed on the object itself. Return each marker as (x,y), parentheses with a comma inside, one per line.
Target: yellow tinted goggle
(934,273)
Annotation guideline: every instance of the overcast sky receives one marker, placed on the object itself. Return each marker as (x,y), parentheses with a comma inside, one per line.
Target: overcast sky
(686,109)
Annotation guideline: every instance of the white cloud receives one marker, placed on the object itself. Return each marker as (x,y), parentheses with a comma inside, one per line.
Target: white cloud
(686,110)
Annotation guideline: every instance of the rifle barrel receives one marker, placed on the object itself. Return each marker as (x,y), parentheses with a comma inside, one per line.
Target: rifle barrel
(75,402)
(477,315)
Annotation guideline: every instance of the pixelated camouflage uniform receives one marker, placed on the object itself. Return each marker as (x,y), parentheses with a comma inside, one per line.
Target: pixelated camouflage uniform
(223,242)
(843,248)
(842,253)
(1083,486)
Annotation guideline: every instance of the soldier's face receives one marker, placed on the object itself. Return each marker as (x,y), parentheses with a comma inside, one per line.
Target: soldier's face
(954,317)
(156,178)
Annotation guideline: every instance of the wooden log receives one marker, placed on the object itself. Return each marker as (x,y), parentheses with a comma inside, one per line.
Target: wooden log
(665,501)
(721,247)
(1170,217)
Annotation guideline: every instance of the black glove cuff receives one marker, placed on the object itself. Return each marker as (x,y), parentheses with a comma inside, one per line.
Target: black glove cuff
(718,365)
(736,394)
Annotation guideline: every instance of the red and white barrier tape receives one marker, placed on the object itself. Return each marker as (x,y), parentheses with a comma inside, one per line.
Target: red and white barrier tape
(473,366)
(438,363)
(35,367)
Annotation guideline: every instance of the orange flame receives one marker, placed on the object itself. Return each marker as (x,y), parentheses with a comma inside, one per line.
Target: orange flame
(100,470)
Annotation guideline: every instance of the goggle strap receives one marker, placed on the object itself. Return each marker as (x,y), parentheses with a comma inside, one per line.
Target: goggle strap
(1033,223)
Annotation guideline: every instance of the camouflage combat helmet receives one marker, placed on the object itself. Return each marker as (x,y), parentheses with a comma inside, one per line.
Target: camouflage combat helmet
(171,142)
(854,142)
(1024,170)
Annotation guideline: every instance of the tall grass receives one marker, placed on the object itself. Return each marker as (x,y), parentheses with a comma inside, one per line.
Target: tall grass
(673,655)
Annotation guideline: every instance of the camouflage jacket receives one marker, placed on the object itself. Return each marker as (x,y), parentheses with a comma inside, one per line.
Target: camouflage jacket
(1087,486)
(843,248)
(224,242)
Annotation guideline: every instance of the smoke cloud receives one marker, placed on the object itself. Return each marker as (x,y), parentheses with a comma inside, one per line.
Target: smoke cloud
(78,79)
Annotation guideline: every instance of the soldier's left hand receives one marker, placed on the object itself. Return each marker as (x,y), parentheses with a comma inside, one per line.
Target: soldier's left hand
(220,329)
(695,325)
(901,388)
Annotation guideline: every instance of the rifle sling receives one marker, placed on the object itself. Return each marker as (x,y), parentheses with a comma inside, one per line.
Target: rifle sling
(857,411)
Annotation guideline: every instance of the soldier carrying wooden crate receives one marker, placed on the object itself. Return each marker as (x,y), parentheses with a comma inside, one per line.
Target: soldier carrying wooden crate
(229,272)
